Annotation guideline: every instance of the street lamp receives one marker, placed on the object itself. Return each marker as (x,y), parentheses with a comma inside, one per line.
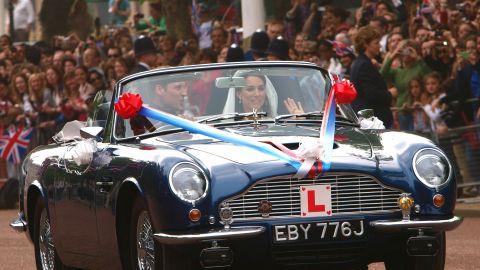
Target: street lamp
(10,14)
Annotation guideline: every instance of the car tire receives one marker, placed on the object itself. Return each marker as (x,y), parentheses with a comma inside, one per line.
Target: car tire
(406,262)
(145,252)
(46,256)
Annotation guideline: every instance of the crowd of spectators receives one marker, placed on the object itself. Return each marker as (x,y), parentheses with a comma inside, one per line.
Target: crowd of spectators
(416,63)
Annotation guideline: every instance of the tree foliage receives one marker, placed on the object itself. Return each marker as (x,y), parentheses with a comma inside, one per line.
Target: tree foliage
(178,18)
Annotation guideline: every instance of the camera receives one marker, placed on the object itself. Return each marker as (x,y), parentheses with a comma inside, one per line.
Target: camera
(442,43)
(460,7)
(450,114)
(404,51)
(97,22)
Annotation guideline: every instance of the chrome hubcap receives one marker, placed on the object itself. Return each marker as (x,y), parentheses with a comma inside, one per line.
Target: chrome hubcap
(45,243)
(145,244)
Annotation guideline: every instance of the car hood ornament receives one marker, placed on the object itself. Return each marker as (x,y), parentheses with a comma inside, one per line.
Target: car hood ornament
(254,117)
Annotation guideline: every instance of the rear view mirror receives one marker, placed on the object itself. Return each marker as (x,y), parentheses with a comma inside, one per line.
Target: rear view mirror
(229,82)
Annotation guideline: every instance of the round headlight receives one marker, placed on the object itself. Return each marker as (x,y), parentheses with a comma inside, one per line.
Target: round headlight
(432,167)
(188,182)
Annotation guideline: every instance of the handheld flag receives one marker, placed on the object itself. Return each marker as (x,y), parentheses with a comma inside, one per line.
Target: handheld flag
(13,145)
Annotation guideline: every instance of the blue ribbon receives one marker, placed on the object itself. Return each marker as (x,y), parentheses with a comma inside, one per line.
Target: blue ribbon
(217,134)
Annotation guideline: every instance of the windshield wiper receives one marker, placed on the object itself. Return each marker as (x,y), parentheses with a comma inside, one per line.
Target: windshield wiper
(233,116)
(307,115)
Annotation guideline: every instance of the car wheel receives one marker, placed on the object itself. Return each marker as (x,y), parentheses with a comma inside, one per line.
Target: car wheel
(45,253)
(406,262)
(145,252)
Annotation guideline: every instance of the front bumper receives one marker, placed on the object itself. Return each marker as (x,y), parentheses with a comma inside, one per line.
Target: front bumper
(430,224)
(233,233)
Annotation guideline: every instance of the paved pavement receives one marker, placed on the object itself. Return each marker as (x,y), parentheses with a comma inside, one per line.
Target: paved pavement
(468,207)
(16,252)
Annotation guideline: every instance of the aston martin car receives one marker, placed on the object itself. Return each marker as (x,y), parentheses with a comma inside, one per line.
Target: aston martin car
(219,181)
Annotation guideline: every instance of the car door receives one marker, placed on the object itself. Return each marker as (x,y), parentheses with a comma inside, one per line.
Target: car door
(74,204)
(107,184)
(77,181)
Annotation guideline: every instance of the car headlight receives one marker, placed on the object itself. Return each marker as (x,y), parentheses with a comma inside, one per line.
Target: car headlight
(188,182)
(432,167)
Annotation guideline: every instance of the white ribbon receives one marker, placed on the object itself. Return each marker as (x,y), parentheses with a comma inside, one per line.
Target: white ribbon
(309,151)
(82,152)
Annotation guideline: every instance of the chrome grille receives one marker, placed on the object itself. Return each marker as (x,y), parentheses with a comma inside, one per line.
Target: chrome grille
(351,194)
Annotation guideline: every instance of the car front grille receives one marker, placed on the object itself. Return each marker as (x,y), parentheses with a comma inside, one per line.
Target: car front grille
(331,253)
(351,194)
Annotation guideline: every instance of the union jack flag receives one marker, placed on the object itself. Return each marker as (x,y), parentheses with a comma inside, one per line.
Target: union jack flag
(14,144)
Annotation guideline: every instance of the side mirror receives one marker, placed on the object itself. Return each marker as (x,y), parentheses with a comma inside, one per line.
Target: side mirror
(365,113)
(368,120)
(91,132)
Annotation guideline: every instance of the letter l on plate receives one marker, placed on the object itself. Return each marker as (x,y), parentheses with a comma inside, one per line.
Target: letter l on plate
(316,200)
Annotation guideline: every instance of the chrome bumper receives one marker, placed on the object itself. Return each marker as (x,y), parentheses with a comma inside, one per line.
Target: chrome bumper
(19,224)
(435,225)
(233,233)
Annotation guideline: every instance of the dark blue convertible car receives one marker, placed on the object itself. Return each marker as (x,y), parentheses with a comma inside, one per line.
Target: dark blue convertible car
(143,193)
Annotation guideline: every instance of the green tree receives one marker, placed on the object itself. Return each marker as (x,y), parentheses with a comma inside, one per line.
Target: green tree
(276,9)
(178,18)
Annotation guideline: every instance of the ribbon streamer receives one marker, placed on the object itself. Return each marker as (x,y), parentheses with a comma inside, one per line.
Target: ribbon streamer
(216,134)
(320,150)
(129,105)
(308,154)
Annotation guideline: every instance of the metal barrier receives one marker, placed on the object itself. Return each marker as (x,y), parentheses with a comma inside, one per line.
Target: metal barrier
(462,145)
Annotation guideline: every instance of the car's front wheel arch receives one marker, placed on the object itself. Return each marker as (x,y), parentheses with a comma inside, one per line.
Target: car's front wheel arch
(33,195)
(127,195)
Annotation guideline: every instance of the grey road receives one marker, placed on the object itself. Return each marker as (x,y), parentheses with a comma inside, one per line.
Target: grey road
(463,246)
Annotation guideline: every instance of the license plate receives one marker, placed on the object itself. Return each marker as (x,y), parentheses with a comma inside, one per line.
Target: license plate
(318,231)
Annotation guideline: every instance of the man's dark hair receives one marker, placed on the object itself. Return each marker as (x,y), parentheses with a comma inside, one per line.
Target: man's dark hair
(33,55)
(4,81)
(208,54)
(381,19)
(10,42)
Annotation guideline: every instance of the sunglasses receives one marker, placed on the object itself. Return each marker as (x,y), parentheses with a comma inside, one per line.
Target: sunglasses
(113,55)
(95,79)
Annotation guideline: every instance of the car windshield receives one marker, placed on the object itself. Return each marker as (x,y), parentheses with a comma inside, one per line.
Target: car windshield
(227,95)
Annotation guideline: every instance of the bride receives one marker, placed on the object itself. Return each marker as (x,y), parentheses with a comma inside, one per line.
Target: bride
(259,94)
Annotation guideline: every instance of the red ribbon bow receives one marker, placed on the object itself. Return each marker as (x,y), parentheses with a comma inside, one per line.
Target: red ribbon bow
(128,105)
(345,92)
